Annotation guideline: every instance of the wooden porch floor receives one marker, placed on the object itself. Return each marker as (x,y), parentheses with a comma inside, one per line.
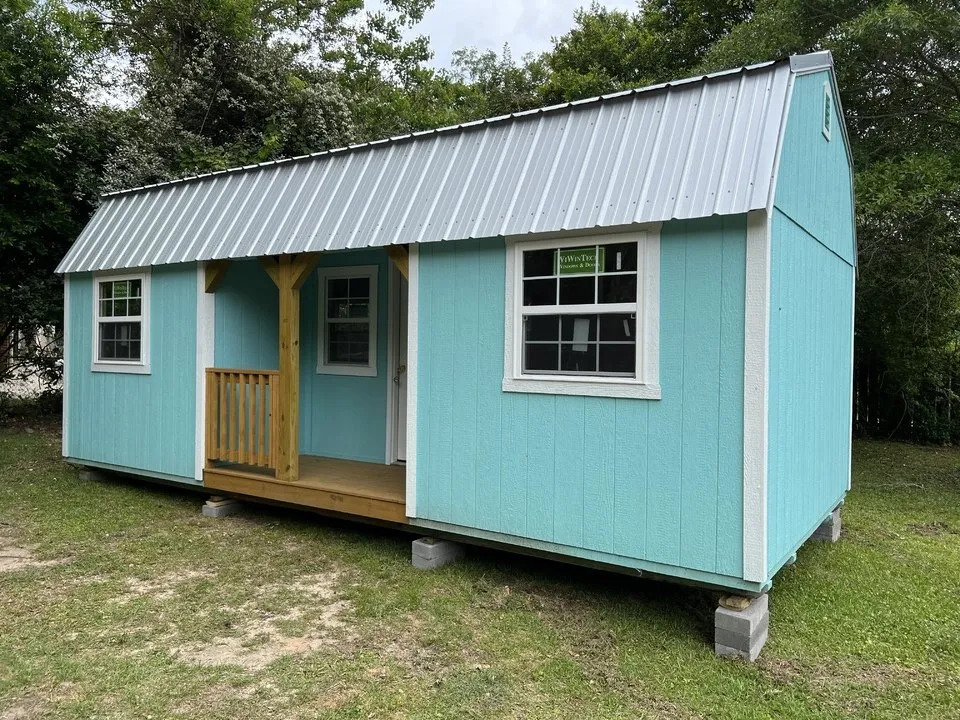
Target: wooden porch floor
(365,489)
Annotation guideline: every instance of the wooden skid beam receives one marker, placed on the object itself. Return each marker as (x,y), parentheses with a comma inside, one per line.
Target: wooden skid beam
(213,274)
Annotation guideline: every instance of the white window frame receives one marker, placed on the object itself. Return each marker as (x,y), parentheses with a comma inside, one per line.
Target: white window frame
(826,111)
(141,366)
(352,271)
(646,383)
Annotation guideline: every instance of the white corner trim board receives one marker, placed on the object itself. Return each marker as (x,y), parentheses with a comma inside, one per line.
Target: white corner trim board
(413,309)
(645,384)
(206,310)
(755,392)
(65,422)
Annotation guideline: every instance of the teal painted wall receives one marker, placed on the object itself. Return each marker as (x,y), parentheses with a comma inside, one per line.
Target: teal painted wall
(340,416)
(811,287)
(615,480)
(141,422)
(813,182)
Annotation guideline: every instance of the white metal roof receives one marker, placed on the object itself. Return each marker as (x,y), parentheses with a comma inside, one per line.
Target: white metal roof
(693,148)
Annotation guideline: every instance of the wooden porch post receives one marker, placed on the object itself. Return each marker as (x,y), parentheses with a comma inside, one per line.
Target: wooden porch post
(289,272)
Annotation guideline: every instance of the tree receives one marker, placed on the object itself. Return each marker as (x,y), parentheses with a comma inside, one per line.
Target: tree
(52,147)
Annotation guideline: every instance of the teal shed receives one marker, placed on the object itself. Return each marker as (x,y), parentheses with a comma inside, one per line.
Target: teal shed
(616,331)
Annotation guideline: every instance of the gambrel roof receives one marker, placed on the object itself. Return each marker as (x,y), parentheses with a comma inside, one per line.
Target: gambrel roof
(693,148)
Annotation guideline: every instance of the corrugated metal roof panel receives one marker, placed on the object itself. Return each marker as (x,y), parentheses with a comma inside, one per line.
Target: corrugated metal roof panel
(693,148)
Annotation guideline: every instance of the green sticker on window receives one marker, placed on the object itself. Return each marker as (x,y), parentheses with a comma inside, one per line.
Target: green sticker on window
(579,260)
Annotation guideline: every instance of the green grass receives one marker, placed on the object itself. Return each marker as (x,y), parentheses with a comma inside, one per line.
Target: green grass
(133,605)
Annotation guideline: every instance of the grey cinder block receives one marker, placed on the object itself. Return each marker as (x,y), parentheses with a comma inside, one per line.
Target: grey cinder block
(430,553)
(829,529)
(217,507)
(742,633)
(92,475)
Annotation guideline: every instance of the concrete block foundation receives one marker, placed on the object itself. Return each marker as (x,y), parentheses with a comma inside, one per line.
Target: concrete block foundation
(742,633)
(92,475)
(430,553)
(829,529)
(217,507)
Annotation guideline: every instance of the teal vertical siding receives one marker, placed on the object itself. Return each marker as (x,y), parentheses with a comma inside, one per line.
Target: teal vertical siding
(344,416)
(813,182)
(620,480)
(140,422)
(811,295)
(340,415)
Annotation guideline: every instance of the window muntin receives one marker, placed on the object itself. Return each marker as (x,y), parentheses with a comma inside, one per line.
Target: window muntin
(348,302)
(579,309)
(120,318)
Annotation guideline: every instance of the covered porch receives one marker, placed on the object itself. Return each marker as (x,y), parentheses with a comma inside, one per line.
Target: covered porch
(254,444)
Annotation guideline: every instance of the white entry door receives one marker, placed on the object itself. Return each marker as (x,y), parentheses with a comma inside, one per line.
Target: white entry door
(400,372)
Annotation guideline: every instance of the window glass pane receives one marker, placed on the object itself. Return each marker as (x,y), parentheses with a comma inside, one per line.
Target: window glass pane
(338,309)
(360,287)
(134,346)
(620,257)
(618,358)
(119,308)
(108,331)
(538,262)
(105,289)
(578,328)
(359,309)
(337,288)
(540,292)
(579,357)
(348,343)
(576,291)
(106,350)
(133,307)
(106,308)
(135,331)
(348,353)
(620,327)
(618,289)
(135,288)
(542,327)
(120,289)
(539,358)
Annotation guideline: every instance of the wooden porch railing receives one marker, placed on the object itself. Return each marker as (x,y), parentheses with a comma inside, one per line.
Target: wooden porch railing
(243,416)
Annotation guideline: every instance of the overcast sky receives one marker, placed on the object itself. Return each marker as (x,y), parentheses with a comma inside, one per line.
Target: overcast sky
(526,25)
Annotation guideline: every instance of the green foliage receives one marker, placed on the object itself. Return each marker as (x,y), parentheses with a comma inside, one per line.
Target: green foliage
(208,84)
(52,148)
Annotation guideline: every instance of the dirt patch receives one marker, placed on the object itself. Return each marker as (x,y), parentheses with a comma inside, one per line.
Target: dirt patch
(37,705)
(163,587)
(878,675)
(264,637)
(15,557)
(933,529)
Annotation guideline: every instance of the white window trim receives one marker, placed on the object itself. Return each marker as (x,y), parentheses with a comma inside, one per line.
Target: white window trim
(141,366)
(323,274)
(827,119)
(646,384)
